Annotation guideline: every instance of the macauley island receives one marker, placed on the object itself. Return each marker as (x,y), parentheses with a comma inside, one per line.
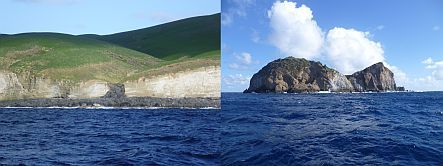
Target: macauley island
(176,64)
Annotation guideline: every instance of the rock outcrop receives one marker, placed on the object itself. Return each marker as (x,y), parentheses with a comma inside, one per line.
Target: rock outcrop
(115,91)
(298,75)
(295,75)
(196,83)
(201,82)
(374,78)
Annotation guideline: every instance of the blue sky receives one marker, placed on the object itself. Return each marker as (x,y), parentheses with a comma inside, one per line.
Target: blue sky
(96,16)
(406,35)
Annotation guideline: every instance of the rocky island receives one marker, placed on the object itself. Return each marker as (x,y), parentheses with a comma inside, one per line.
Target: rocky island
(298,75)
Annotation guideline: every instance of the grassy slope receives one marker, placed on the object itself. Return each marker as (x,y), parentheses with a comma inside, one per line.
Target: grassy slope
(62,56)
(180,45)
(197,37)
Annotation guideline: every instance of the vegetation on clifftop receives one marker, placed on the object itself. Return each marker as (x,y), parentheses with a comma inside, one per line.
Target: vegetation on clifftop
(172,47)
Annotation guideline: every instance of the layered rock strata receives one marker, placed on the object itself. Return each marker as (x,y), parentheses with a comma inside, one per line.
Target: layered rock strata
(198,83)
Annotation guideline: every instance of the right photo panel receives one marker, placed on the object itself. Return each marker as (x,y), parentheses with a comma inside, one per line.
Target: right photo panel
(337,82)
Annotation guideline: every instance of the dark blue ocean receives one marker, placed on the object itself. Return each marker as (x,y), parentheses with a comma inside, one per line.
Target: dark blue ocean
(109,137)
(332,129)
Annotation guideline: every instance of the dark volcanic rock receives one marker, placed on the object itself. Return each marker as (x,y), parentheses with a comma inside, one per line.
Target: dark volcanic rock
(114,102)
(115,91)
(374,78)
(401,89)
(297,75)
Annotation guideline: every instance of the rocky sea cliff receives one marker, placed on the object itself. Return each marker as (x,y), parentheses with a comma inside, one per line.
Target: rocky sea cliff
(193,88)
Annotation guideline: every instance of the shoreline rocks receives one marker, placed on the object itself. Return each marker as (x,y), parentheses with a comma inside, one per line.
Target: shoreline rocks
(298,75)
(117,102)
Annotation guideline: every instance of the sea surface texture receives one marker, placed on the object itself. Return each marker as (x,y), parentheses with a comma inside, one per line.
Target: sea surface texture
(332,129)
(109,136)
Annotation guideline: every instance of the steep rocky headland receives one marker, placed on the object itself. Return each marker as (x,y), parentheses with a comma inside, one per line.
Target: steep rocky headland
(374,78)
(298,75)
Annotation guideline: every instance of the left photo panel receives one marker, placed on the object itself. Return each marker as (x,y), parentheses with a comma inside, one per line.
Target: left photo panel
(88,54)
(109,82)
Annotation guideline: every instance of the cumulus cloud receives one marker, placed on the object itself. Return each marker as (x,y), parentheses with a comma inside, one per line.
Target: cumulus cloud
(294,31)
(350,50)
(428,61)
(436,67)
(427,83)
(432,82)
(237,9)
(237,79)
(243,60)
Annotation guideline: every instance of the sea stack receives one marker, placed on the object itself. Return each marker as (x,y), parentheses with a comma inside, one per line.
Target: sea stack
(298,75)
(376,78)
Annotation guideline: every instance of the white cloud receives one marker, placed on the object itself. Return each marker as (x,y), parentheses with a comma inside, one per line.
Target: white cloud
(226,18)
(350,50)
(243,61)
(237,9)
(427,83)
(237,79)
(432,82)
(244,58)
(294,32)
(436,67)
(436,28)
(234,66)
(428,61)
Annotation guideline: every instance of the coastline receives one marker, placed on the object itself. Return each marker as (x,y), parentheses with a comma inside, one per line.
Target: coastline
(117,103)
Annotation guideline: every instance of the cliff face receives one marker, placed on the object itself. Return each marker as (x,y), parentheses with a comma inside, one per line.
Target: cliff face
(202,82)
(297,75)
(374,78)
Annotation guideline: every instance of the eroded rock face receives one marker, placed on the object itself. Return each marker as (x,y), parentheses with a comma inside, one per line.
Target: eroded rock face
(298,75)
(9,85)
(115,91)
(202,82)
(374,78)
(13,87)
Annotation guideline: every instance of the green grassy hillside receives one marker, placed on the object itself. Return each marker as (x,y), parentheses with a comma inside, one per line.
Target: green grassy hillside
(172,47)
(192,37)
(62,56)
